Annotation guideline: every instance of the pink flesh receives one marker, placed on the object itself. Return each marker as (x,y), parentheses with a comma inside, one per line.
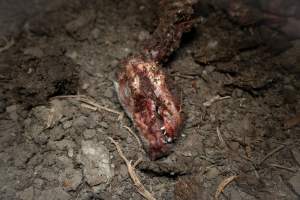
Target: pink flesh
(144,94)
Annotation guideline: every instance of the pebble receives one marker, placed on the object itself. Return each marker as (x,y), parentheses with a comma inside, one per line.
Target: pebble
(80,121)
(38,183)
(12,111)
(114,63)
(238,93)
(54,194)
(95,159)
(57,133)
(67,124)
(72,54)
(34,51)
(212,173)
(95,33)
(234,145)
(103,124)
(71,179)
(209,69)
(85,86)
(26,194)
(109,93)
(295,182)
(89,133)
(235,195)
(123,171)
(143,35)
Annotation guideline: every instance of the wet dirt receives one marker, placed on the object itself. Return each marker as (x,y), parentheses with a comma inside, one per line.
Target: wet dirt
(56,148)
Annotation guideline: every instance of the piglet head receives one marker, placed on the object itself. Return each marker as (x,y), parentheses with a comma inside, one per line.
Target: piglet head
(147,100)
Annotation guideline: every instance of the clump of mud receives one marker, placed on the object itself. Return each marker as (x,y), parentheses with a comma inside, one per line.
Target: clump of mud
(240,96)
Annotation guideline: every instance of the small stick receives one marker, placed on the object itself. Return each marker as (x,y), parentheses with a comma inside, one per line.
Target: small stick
(223,185)
(214,99)
(133,134)
(131,170)
(50,118)
(91,102)
(271,153)
(283,167)
(220,137)
(84,105)
(8,45)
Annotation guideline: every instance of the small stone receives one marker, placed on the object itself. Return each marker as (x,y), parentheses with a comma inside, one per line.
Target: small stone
(23,153)
(67,124)
(71,179)
(64,162)
(54,194)
(190,188)
(82,20)
(96,163)
(26,194)
(235,195)
(57,133)
(80,121)
(89,133)
(114,63)
(61,145)
(92,121)
(209,68)
(85,86)
(49,175)
(41,139)
(127,50)
(129,140)
(72,54)
(70,152)
(109,93)
(237,93)
(295,182)
(34,51)
(212,173)
(12,111)
(234,145)
(123,171)
(103,124)
(143,35)
(95,33)
(38,183)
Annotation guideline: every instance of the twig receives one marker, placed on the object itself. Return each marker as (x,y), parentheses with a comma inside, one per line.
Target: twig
(220,137)
(7,45)
(223,184)
(271,153)
(84,105)
(131,170)
(139,160)
(283,167)
(92,104)
(214,99)
(50,118)
(133,134)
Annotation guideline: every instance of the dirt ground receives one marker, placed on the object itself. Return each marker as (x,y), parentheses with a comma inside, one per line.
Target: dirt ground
(58,148)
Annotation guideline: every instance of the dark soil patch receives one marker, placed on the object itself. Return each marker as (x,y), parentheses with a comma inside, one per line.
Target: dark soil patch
(56,146)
